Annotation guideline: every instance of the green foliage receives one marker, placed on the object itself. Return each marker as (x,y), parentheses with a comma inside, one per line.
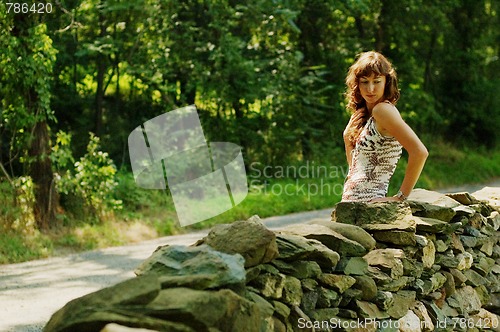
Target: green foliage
(25,85)
(267,75)
(16,248)
(16,211)
(92,180)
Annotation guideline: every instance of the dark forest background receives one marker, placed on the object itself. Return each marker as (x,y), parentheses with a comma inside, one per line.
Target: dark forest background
(267,75)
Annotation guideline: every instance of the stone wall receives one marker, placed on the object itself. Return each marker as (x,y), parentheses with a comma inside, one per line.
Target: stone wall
(431,264)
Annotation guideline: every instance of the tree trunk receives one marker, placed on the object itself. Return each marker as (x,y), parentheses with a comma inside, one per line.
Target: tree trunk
(101,71)
(43,178)
(380,37)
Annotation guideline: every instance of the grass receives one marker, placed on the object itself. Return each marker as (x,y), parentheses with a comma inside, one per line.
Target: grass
(148,214)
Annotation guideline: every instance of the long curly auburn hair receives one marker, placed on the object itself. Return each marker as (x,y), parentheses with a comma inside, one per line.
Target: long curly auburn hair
(368,63)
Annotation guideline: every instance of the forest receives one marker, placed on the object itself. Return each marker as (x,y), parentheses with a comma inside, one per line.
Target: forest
(77,76)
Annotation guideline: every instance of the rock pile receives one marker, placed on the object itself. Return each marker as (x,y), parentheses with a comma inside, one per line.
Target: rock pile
(429,264)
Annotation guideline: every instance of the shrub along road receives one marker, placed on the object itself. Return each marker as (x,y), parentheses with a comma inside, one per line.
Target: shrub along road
(31,292)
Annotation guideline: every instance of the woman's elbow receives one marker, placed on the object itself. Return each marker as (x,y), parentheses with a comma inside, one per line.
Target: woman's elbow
(422,152)
(419,152)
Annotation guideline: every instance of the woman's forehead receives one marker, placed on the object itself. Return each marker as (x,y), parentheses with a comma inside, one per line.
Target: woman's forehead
(372,75)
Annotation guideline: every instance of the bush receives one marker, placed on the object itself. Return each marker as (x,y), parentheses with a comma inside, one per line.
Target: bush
(88,188)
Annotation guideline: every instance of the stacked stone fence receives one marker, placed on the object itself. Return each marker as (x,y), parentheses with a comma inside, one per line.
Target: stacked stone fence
(429,264)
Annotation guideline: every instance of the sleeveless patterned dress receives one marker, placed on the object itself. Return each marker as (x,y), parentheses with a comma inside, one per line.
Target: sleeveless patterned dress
(374,160)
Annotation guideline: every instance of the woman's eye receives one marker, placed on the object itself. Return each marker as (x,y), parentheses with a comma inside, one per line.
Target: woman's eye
(377,82)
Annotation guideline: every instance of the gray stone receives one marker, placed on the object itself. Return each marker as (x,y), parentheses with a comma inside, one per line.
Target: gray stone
(458,277)
(399,238)
(370,310)
(223,309)
(473,231)
(308,284)
(487,230)
(293,247)
(428,255)
(464,211)
(265,308)
(351,232)
(432,197)
(324,256)
(421,240)
(350,296)
(327,298)
(277,325)
(98,308)
(310,300)
(352,266)
(333,240)
(281,310)
(403,300)
(488,246)
(474,279)
(195,267)
(496,252)
(296,247)
(412,267)
(360,214)
(368,287)
(388,260)
(491,195)
(421,311)
(299,269)
(396,284)
(377,275)
(447,310)
(431,225)
(486,320)
(255,271)
(493,283)
(464,198)
(462,261)
(485,265)
(435,282)
(112,327)
(494,304)
(408,226)
(484,295)
(346,313)
(269,285)
(249,238)
(440,245)
(292,291)
(465,300)
(338,282)
(449,285)
(428,210)
(494,220)
(384,300)
(469,241)
(455,243)
(324,314)
(410,322)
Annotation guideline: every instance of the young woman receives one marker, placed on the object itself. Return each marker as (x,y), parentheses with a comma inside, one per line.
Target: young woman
(376,133)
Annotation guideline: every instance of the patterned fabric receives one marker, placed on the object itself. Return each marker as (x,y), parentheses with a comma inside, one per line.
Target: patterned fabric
(374,160)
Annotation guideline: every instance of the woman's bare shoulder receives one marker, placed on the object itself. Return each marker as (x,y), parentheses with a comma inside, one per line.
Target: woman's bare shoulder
(385,109)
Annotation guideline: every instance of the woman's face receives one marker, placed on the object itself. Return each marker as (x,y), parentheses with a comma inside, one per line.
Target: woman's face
(372,88)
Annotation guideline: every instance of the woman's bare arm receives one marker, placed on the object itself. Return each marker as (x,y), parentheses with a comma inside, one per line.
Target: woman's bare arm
(349,146)
(390,122)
